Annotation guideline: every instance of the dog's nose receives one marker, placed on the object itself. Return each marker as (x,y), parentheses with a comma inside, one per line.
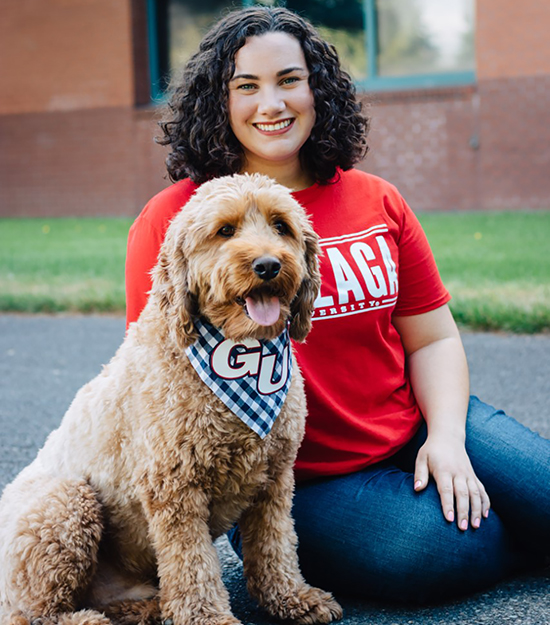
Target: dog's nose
(266,267)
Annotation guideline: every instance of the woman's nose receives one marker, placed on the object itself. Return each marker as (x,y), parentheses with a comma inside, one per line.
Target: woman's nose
(271,102)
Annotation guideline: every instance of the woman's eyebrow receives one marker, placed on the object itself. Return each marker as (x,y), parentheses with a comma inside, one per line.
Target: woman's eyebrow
(282,72)
(246,76)
(290,70)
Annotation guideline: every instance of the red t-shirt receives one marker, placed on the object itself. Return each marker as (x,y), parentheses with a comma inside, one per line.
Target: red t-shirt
(376,263)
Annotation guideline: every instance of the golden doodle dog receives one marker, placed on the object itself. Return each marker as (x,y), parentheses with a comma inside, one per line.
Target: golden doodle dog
(114,520)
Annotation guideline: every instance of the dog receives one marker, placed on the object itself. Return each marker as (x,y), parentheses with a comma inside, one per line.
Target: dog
(114,521)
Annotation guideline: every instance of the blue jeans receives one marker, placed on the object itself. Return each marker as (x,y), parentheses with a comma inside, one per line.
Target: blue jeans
(369,534)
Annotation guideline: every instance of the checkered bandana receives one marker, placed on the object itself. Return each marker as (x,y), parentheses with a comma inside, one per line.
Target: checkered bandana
(251,377)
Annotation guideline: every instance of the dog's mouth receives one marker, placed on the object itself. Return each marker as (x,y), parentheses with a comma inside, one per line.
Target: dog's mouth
(262,307)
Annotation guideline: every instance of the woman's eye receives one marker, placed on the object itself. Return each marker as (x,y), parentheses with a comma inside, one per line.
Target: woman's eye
(290,80)
(247,87)
(280,227)
(226,231)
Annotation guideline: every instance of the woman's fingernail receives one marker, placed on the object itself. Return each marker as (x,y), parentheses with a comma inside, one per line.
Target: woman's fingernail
(486,514)
(450,516)
(476,523)
(463,524)
(417,484)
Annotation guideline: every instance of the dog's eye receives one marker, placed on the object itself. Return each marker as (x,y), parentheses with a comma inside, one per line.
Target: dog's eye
(226,231)
(280,227)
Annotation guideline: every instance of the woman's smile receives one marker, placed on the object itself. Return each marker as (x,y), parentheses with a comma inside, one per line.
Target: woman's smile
(274,127)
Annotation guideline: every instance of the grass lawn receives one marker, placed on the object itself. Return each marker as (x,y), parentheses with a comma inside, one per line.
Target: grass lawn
(496,266)
(52,265)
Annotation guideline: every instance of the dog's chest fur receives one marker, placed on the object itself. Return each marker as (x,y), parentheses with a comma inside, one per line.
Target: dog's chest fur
(228,460)
(167,438)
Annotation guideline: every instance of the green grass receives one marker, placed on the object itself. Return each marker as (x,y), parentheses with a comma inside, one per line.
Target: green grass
(52,265)
(496,266)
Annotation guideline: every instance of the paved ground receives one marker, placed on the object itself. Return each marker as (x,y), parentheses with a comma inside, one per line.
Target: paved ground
(44,360)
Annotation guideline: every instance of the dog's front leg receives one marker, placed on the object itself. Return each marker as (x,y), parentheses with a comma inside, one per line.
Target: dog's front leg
(191,588)
(271,561)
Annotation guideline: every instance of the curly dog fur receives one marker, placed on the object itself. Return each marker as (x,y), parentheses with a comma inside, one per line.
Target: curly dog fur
(114,520)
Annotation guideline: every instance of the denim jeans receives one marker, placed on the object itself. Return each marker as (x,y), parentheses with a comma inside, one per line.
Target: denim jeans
(371,535)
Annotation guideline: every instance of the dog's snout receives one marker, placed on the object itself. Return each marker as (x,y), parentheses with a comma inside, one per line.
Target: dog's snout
(266,267)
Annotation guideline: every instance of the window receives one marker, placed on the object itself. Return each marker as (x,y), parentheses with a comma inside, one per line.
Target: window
(420,42)
(175,29)
(384,44)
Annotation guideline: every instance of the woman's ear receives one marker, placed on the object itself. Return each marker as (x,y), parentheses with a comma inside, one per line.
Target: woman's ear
(303,304)
(171,288)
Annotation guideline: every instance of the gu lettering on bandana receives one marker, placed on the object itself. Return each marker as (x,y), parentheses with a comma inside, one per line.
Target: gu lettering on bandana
(251,377)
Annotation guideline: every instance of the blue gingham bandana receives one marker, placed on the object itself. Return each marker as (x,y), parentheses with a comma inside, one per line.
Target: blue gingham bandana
(251,377)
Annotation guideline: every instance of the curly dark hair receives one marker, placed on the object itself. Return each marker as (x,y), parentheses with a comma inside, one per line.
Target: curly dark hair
(197,127)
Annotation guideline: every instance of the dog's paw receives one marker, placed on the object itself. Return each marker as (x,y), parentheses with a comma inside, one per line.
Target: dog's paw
(309,605)
(17,618)
(207,619)
(83,617)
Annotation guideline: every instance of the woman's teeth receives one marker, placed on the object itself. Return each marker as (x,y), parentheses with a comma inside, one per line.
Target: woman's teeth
(274,127)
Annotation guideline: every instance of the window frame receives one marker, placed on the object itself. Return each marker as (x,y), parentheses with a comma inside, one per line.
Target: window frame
(374,82)
(157,94)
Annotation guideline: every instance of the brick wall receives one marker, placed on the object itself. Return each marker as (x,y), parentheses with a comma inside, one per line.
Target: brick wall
(422,145)
(514,167)
(73,140)
(60,55)
(86,162)
(485,147)
(512,38)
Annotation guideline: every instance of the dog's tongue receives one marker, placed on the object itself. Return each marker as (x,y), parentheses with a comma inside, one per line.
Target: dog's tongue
(264,311)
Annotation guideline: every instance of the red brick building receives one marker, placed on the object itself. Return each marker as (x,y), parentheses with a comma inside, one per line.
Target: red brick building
(77,125)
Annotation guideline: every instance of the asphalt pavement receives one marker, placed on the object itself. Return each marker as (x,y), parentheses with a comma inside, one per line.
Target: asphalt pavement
(44,360)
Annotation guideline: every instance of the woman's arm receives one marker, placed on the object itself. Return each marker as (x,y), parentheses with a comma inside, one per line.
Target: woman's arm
(439,377)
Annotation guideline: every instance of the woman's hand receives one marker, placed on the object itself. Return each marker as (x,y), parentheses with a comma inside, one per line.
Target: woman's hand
(439,377)
(445,458)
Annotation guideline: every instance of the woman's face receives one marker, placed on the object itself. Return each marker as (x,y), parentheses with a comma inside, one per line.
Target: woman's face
(271,107)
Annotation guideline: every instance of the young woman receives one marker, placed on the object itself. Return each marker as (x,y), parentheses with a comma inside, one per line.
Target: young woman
(407,488)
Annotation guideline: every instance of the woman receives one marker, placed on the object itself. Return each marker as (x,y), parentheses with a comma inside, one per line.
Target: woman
(399,468)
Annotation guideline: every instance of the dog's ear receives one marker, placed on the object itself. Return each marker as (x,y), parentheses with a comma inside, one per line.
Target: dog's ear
(171,288)
(303,304)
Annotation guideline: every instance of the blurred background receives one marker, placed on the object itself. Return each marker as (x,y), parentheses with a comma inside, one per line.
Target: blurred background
(458,90)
